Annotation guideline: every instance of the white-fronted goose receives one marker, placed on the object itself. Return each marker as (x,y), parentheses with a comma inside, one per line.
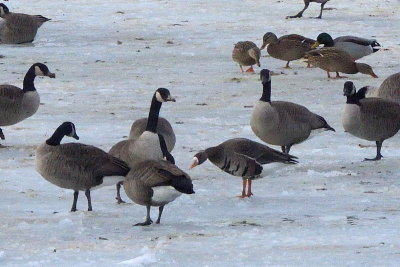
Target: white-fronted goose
(156,183)
(19,28)
(372,119)
(77,166)
(282,123)
(17,104)
(242,157)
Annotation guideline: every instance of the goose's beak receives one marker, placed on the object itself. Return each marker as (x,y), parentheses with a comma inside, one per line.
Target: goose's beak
(170,98)
(316,44)
(51,75)
(76,136)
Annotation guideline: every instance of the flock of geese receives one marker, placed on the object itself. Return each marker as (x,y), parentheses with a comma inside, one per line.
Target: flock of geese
(143,164)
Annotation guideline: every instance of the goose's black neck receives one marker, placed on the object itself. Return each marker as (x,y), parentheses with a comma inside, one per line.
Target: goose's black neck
(266,95)
(353,99)
(57,136)
(153,115)
(29,79)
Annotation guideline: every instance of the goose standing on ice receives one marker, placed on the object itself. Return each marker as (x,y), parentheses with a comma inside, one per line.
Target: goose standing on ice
(77,166)
(242,157)
(282,123)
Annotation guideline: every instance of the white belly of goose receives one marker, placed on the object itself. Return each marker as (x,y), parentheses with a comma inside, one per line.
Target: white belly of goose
(351,119)
(164,194)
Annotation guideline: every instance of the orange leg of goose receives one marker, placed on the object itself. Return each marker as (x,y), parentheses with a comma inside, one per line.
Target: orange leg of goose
(287,65)
(338,76)
(308,65)
(249,193)
(250,69)
(244,189)
(329,76)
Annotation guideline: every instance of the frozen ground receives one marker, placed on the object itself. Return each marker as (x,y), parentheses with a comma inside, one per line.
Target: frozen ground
(330,209)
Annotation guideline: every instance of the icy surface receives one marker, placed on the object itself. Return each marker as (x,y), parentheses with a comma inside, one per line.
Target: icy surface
(110,56)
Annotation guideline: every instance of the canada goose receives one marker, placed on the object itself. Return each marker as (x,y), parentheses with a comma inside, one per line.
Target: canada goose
(306,3)
(18,104)
(372,119)
(337,60)
(19,28)
(149,145)
(288,47)
(242,157)
(390,88)
(76,166)
(246,54)
(282,123)
(356,47)
(156,183)
(163,127)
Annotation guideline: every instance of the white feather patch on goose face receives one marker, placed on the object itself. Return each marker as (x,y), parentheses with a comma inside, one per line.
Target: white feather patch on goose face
(38,71)
(73,132)
(2,13)
(164,194)
(159,97)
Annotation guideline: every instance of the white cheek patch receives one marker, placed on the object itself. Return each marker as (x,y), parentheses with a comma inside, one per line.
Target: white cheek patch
(159,98)
(2,13)
(195,160)
(38,71)
(72,132)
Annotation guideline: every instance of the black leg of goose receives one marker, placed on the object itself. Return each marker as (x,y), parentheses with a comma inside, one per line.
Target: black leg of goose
(378,152)
(148,220)
(2,134)
(300,14)
(89,200)
(320,13)
(76,194)
(118,198)
(160,210)
(288,149)
(283,149)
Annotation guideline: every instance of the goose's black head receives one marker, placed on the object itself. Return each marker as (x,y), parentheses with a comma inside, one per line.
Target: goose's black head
(65,129)
(325,39)
(199,158)
(163,95)
(265,76)
(3,10)
(42,70)
(349,89)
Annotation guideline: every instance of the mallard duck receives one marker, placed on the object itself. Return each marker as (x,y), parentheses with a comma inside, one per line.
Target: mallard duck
(242,157)
(306,3)
(287,47)
(19,28)
(246,54)
(337,60)
(390,88)
(372,119)
(356,47)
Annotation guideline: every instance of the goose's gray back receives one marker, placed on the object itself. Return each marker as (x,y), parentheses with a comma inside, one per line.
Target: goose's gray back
(390,88)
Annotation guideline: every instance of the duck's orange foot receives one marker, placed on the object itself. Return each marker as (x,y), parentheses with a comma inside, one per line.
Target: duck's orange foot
(250,69)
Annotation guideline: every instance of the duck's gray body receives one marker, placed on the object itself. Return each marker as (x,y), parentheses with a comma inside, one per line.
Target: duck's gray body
(356,47)
(76,166)
(16,105)
(163,127)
